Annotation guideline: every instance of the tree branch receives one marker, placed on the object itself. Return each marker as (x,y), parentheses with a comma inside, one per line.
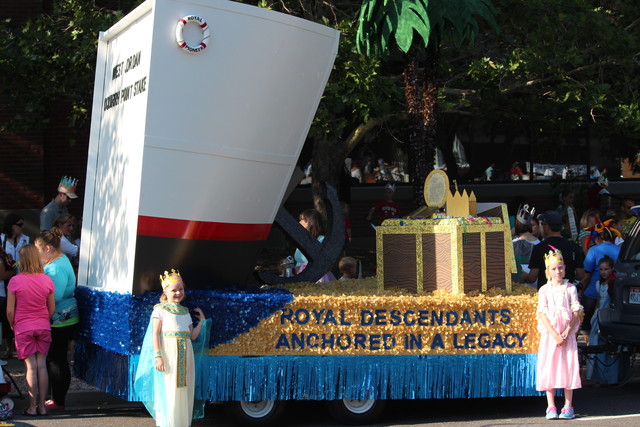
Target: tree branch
(358,133)
(458,92)
(535,82)
(633,24)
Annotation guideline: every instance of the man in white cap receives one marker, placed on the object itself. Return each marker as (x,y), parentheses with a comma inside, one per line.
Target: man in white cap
(58,205)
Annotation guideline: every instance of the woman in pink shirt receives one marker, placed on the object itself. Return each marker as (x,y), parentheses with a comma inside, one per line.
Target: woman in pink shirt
(30,305)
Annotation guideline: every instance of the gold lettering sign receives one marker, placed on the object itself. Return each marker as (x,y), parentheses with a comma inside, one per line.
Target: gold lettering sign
(388,325)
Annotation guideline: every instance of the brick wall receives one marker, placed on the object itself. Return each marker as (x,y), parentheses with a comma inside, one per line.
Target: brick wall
(18,10)
(21,170)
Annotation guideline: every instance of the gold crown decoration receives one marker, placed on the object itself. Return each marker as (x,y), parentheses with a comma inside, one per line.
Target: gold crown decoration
(461,204)
(473,204)
(168,279)
(437,194)
(553,255)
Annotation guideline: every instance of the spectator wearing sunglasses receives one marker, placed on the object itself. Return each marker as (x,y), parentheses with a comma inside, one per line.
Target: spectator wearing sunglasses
(12,238)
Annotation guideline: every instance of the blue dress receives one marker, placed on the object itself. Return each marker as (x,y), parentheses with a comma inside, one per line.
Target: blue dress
(176,396)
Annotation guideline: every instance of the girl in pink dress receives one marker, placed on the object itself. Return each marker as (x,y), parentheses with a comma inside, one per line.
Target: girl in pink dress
(558,322)
(30,305)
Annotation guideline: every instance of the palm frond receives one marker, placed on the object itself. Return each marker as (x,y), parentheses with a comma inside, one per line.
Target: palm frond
(458,19)
(382,21)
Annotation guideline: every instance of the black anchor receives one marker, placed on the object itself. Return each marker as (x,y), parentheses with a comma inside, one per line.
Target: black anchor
(321,256)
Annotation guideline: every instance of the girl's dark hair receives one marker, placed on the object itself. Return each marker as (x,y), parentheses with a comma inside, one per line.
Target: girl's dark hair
(521,228)
(312,217)
(10,220)
(50,237)
(607,260)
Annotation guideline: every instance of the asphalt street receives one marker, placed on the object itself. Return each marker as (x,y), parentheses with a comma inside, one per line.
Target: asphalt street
(595,406)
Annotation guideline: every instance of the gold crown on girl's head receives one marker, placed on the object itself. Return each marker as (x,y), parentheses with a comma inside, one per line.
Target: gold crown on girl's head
(553,255)
(168,279)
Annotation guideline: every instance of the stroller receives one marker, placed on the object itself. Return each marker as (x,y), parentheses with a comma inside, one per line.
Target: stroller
(6,403)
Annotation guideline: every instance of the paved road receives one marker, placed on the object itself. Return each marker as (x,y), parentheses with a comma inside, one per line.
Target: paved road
(609,406)
(614,406)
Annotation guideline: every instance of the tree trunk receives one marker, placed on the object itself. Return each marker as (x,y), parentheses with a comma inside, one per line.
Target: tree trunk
(328,158)
(428,112)
(421,93)
(417,147)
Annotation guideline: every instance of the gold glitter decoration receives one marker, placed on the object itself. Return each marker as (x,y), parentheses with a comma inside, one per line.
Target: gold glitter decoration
(483,260)
(354,317)
(457,228)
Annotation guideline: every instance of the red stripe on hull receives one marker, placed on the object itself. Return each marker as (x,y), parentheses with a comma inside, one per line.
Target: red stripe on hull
(200,230)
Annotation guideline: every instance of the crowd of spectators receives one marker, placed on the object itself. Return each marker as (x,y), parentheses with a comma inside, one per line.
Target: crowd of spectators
(38,309)
(590,249)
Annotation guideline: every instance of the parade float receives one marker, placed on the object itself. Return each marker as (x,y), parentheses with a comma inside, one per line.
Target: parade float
(200,111)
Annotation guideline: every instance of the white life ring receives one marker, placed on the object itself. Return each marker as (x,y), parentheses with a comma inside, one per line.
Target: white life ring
(205,33)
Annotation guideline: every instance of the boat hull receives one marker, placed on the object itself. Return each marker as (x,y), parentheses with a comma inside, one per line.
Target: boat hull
(191,153)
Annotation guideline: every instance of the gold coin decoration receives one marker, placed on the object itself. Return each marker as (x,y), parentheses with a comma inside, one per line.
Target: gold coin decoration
(436,186)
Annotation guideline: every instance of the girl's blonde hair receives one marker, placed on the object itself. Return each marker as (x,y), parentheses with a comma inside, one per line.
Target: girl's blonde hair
(584,220)
(546,270)
(163,296)
(63,219)
(554,255)
(30,260)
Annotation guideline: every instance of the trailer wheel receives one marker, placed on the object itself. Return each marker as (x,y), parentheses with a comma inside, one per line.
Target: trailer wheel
(355,412)
(256,413)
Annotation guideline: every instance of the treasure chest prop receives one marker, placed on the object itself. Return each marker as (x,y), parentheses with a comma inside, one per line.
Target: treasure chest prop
(457,253)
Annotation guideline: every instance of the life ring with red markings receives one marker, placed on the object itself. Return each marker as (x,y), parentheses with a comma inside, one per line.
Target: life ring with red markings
(180,37)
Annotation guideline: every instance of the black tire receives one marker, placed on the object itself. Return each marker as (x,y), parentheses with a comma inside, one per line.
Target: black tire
(354,412)
(258,413)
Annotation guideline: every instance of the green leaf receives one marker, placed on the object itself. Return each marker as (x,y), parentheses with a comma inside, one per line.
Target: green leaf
(385,20)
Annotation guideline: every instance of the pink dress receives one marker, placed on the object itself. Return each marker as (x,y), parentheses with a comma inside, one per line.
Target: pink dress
(558,366)
(31,322)
(31,291)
